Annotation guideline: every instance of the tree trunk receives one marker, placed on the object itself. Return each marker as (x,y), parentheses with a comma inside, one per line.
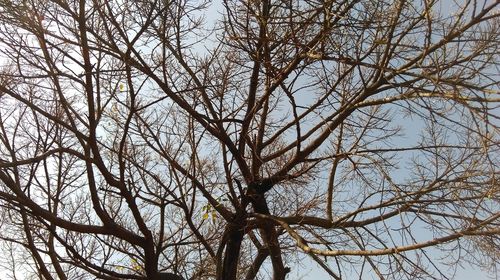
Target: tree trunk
(270,236)
(151,261)
(232,253)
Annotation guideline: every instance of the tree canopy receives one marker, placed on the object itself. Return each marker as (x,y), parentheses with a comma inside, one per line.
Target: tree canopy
(241,139)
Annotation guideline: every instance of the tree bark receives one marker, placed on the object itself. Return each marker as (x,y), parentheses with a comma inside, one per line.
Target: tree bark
(232,253)
(268,232)
(257,263)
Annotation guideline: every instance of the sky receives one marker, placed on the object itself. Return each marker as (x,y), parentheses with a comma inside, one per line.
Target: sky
(308,270)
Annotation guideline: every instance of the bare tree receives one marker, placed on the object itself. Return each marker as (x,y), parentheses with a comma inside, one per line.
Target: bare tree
(238,139)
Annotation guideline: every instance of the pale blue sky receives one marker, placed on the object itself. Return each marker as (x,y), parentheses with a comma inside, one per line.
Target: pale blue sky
(309,270)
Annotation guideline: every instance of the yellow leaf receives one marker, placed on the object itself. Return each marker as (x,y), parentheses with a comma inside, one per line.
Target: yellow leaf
(135,265)
(205,216)
(122,87)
